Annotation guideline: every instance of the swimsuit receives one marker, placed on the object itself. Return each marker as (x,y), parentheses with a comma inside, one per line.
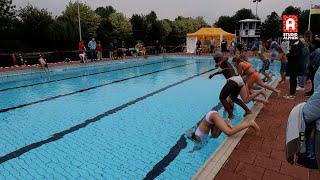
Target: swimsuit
(246,67)
(238,80)
(254,76)
(201,134)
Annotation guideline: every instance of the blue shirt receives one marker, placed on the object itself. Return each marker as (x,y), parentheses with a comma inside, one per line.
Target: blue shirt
(92,45)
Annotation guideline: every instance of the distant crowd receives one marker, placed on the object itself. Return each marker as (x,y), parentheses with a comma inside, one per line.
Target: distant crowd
(94,50)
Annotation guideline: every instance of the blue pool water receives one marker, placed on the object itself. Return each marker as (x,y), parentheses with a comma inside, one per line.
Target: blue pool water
(122,120)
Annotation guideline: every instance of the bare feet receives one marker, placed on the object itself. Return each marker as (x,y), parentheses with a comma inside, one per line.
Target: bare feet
(255,126)
(263,92)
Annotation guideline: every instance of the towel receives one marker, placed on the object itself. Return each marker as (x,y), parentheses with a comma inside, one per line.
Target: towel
(295,126)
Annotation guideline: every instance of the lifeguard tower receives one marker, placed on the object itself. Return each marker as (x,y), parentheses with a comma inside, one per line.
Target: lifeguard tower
(249,31)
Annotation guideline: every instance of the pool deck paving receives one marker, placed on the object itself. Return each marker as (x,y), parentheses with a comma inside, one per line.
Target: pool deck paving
(263,156)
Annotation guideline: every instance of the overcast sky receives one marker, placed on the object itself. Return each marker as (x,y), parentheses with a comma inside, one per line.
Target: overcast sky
(210,9)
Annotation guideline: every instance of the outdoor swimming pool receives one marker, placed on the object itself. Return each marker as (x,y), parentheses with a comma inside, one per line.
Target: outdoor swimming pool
(123,120)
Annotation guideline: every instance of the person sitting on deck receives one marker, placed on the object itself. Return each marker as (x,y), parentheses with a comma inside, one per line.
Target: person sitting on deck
(214,123)
(82,52)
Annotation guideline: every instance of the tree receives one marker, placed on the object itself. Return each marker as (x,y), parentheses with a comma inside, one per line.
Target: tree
(122,27)
(181,26)
(35,24)
(271,28)
(290,10)
(166,27)
(89,19)
(9,36)
(231,24)
(105,28)
(304,21)
(165,30)
(139,27)
(243,14)
(227,23)
(7,15)
(151,18)
(62,34)
(105,12)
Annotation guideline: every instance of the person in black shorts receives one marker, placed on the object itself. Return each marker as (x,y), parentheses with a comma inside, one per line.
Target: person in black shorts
(233,86)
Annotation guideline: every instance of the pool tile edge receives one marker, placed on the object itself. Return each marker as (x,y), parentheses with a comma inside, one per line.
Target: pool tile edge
(213,165)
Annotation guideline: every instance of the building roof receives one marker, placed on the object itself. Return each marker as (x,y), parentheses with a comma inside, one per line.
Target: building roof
(250,20)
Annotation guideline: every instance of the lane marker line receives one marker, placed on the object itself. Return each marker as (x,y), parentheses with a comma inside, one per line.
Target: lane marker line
(17,153)
(87,89)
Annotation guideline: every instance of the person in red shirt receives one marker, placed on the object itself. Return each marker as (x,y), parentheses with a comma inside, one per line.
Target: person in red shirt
(82,52)
(99,50)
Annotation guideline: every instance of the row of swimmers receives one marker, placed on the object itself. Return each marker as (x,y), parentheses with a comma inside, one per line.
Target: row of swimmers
(241,83)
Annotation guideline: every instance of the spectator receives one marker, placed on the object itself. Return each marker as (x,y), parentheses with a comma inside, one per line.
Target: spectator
(314,63)
(115,49)
(157,48)
(212,46)
(110,50)
(234,45)
(99,50)
(311,113)
(240,47)
(294,66)
(198,47)
(305,56)
(224,46)
(122,50)
(92,47)
(82,52)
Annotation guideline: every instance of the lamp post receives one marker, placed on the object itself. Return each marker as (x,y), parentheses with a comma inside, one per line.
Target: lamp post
(310,15)
(257,1)
(79,21)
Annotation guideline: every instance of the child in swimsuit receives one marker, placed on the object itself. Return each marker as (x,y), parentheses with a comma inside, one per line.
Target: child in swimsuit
(43,63)
(265,67)
(214,123)
(283,58)
(252,76)
(233,86)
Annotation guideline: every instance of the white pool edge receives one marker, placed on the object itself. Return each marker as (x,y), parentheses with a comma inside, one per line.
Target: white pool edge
(219,157)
